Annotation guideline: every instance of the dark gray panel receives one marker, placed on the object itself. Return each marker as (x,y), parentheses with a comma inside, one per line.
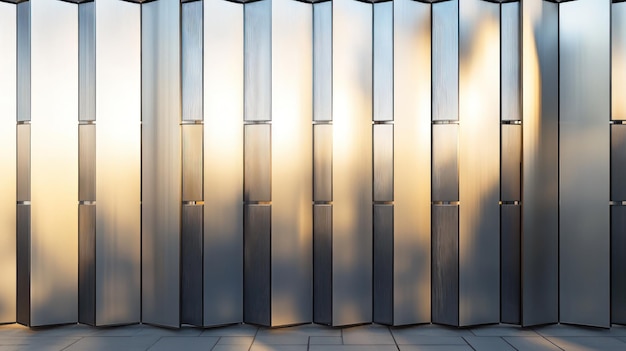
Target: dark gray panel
(191,60)
(23,162)
(87,61)
(191,280)
(584,240)
(23,264)
(258,61)
(510,61)
(322,263)
(510,264)
(87,162)
(23,61)
(445,273)
(87,264)
(618,61)
(618,264)
(511,158)
(383,61)
(322,61)
(445,51)
(258,162)
(257,264)
(618,162)
(445,164)
(322,162)
(541,163)
(192,162)
(383,264)
(383,162)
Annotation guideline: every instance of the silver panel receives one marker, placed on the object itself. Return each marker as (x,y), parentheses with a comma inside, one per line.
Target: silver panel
(383,61)
(87,61)
(8,161)
(352,162)
(383,268)
(412,156)
(618,262)
(87,264)
(322,61)
(23,162)
(23,254)
(584,241)
(510,264)
(540,159)
(257,301)
(161,162)
(54,163)
(445,164)
(383,162)
(618,162)
(191,265)
(257,162)
(510,61)
(291,251)
(445,283)
(23,61)
(322,263)
(192,162)
(323,162)
(258,61)
(511,158)
(191,60)
(87,162)
(118,166)
(618,61)
(223,166)
(445,64)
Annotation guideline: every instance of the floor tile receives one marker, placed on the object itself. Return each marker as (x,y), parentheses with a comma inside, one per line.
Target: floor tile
(325,340)
(431,330)
(503,330)
(353,348)
(488,343)
(530,343)
(404,339)
(435,348)
(186,343)
(305,330)
(282,339)
(231,348)
(117,343)
(573,330)
(236,340)
(588,343)
(232,330)
(265,347)
(149,330)
(371,334)
(129,330)
(39,343)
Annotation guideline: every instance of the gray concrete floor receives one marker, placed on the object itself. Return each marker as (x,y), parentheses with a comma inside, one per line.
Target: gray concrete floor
(313,337)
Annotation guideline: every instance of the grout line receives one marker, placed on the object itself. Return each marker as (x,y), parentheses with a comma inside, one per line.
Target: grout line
(254,338)
(70,345)
(217,342)
(506,341)
(154,343)
(470,345)
(393,337)
(550,341)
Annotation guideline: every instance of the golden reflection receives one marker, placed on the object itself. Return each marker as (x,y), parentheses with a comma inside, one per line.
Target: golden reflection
(618,51)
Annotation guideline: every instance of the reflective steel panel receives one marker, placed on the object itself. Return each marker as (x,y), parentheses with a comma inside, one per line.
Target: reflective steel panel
(584,96)
(192,162)
(323,162)
(23,264)
(23,162)
(161,162)
(257,264)
(510,261)
(445,164)
(23,61)
(322,263)
(87,162)
(191,265)
(445,283)
(510,61)
(257,162)
(618,61)
(87,264)
(322,61)
(87,61)
(383,61)
(511,158)
(618,162)
(445,63)
(191,60)
(383,269)
(258,61)
(618,262)
(383,162)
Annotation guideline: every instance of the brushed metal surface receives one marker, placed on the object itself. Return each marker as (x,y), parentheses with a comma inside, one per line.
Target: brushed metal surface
(352,163)
(412,156)
(383,161)
(445,265)
(257,300)
(323,162)
(618,262)
(291,143)
(223,166)
(383,268)
(510,264)
(87,264)
(257,162)
(510,61)
(618,162)
(383,61)
(445,162)
(192,162)
(87,61)
(118,165)
(191,60)
(191,265)
(540,159)
(23,255)
(8,160)
(511,159)
(322,61)
(322,263)
(618,61)
(23,61)
(257,61)
(161,162)
(54,163)
(445,60)
(87,162)
(23,162)
(584,240)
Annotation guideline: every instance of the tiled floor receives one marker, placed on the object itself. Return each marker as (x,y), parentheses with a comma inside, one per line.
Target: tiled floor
(313,338)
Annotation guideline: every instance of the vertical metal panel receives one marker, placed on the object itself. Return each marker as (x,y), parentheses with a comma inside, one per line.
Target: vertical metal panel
(87,162)
(257,264)
(383,273)
(445,283)
(510,61)
(445,164)
(191,265)
(23,162)
(87,61)
(383,61)
(192,162)
(584,242)
(618,61)
(618,262)
(23,264)
(257,162)
(618,162)
(8,162)
(383,162)
(322,263)
(352,162)
(87,264)
(322,61)
(118,167)
(445,60)
(161,162)
(258,61)
(223,166)
(540,74)
(291,250)
(511,158)
(412,156)
(54,162)
(510,261)
(191,60)
(323,162)
(23,61)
